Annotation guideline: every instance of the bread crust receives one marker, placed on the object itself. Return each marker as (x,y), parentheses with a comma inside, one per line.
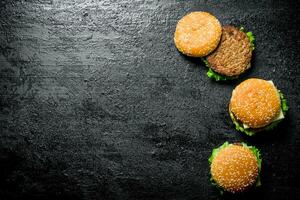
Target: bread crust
(255,102)
(197,34)
(235,168)
(233,55)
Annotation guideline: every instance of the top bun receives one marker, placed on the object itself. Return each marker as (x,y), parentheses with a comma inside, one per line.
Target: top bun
(197,34)
(255,102)
(235,168)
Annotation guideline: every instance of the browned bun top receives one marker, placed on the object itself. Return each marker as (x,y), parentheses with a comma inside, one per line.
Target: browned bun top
(197,34)
(234,168)
(233,55)
(255,102)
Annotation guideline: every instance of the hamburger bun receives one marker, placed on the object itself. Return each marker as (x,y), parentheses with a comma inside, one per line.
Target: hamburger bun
(235,168)
(255,103)
(233,55)
(197,34)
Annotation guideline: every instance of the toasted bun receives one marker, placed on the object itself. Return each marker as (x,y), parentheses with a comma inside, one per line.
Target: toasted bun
(233,55)
(234,168)
(255,102)
(197,34)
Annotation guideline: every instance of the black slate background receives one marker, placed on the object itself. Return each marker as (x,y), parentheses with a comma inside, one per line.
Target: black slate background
(97,103)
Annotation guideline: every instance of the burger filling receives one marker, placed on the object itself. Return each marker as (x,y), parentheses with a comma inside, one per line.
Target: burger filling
(219,77)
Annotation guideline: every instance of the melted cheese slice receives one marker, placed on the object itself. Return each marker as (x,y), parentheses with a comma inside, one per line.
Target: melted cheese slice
(279,117)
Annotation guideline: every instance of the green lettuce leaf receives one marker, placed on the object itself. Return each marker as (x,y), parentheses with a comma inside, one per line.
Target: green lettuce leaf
(250,36)
(216,151)
(239,126)
(284,105)
(211,158)
(253,149)
(214,75)
(257,154)
(218,77)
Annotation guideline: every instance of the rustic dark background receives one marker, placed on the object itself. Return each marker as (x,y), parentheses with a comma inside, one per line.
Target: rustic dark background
(97,103)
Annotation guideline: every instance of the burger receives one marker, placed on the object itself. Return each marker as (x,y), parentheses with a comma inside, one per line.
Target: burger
(232,56)
(235,168)
(257,105)
(197,34)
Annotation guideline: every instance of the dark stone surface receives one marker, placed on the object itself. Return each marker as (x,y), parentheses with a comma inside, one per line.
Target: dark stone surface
(96,102)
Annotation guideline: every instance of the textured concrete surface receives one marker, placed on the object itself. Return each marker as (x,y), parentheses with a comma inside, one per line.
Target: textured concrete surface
(97,103)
